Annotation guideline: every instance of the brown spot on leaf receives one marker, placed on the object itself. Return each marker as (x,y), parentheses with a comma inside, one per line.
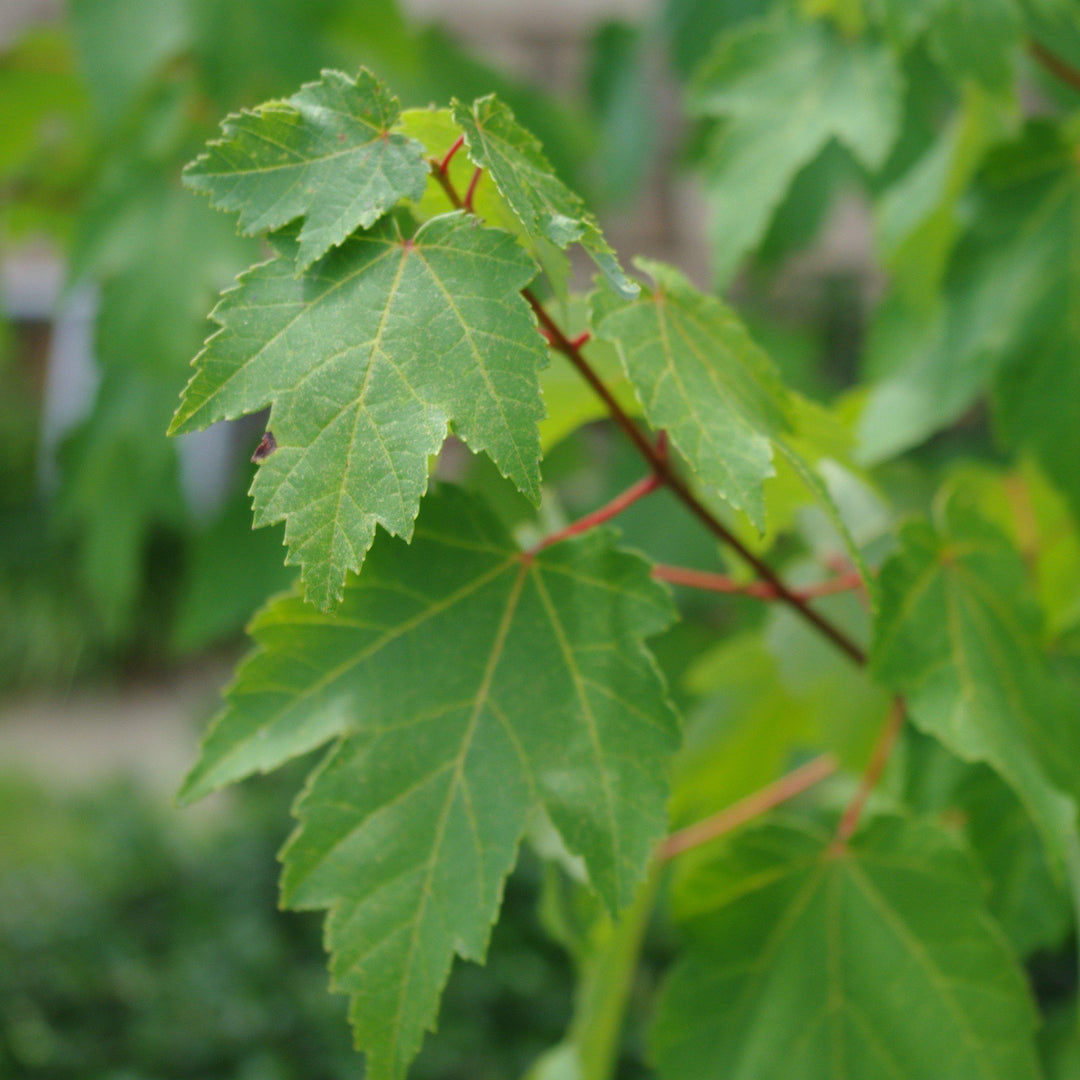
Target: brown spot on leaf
(267,445)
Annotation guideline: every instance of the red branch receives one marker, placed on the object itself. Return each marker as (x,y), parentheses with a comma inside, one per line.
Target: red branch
(760,802)
(467,204)
(443,165)
(760,590)
(657,457)
(1055,65)
(645,486)
(890,732)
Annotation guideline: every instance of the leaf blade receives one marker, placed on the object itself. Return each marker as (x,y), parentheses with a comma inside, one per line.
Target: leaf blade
(366,362)
(791,946)
(412,823)
(326,154)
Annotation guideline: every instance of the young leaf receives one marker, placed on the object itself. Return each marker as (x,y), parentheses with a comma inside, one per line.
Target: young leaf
(546,207)
(700,376)
(367,360)
(326,154)
(473,684)
(785,87)
(957,638)
(877,961)
(1010,310)
(971,41)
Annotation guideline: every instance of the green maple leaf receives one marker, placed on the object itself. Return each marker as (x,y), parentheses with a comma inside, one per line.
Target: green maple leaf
(473,685)
(326,154)
(547,209)
(958,638)
(367,360)
(784,88)
(972,41)
(1009,319)
(877,961)
(700,376)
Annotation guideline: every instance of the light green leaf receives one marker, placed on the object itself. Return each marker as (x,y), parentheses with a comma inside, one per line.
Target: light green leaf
(919,216)
(957,636)
(877,961)
(1010,308)
(325,154)
(473,685)
(367,360)
(700,376)
(971,41)
(545,206)
(785,87)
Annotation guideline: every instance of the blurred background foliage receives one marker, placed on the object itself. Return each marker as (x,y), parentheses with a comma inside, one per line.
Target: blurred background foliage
(903,257)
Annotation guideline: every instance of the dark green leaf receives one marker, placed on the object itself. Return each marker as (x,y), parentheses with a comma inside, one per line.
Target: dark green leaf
(367,360)
(473,685)
(876,961)
(325,154)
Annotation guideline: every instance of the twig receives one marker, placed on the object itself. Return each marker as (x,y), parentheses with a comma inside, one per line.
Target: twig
(471,192)
(657,458)
(643,487)
(760,802)
(443,165)
(879,757)
(760,590)
(1055,65)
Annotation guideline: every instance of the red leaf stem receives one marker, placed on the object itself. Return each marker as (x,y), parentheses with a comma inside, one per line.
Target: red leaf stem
(761,590)
(468,203)
(645,486)
(760,802)
(443,165)
(879,757)
(657,457)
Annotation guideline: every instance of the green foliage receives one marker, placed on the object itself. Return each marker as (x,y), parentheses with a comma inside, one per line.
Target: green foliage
(958,639)
(879,960)
(134,947)
(785,87)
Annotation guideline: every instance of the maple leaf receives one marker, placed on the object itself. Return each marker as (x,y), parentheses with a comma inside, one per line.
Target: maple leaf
(326,154)
(472,685)
(367,360)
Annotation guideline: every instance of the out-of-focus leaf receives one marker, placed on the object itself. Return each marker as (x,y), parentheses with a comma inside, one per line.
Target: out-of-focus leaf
(117,73)
(958,637)
(919,215)
(1032,905)
(810,964)
(977,42)
(1009,310)
(622,92)
(784,88)
(691,26)
(231,572)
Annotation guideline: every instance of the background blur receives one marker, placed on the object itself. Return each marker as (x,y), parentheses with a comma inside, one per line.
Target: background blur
(135,940)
